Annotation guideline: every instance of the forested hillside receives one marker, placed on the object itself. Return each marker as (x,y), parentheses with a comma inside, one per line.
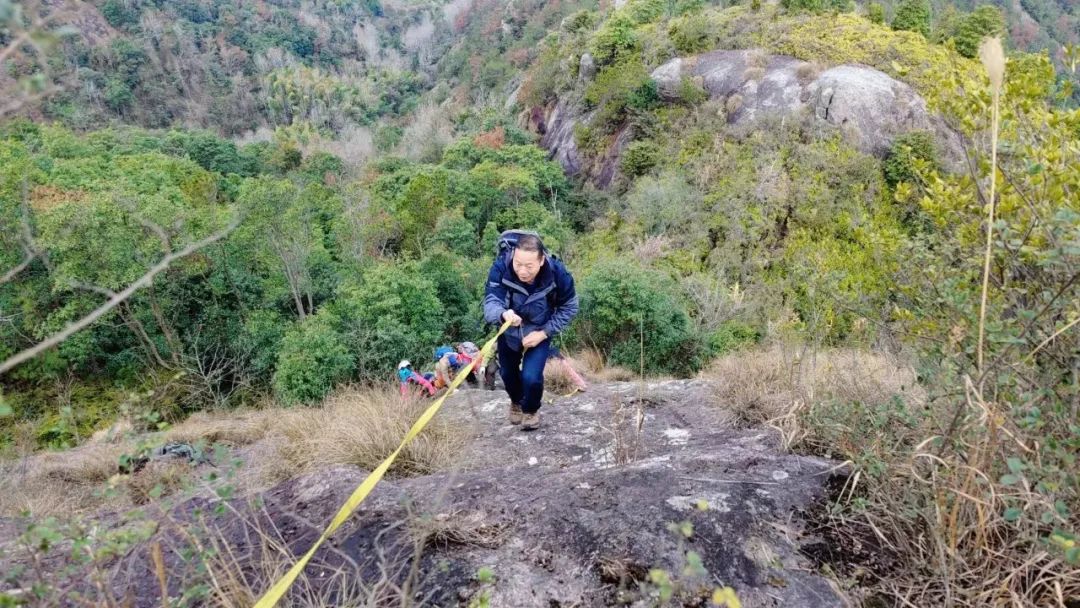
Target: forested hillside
(267,205)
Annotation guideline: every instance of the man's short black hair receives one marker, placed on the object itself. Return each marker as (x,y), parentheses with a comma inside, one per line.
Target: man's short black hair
(528,242)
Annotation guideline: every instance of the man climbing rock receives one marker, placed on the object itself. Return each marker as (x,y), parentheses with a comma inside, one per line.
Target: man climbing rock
(531,289)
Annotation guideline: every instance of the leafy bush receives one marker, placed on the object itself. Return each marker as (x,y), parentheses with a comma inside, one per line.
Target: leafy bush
(619,88)
(913,16)
(692,33)
(392,313)
(640,157)
(817,6)
(456,233)
(625,308)
(731,336)
(458,285)
(580,21)
(260,341)
(984,21)
(875,12)
(908,151)
(314,357)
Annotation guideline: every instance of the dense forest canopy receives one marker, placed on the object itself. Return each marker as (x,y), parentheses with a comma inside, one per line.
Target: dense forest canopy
(331,177)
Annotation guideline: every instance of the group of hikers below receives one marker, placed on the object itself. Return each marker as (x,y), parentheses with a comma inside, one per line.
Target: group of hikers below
(531,289)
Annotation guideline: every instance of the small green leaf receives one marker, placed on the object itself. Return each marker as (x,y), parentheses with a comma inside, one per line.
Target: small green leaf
(1012,514)
(485,575)
(1009,480)
(686,529)
(1073,555)
(1015,464)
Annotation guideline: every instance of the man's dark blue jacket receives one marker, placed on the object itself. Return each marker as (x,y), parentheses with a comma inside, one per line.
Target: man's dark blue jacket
(549,304)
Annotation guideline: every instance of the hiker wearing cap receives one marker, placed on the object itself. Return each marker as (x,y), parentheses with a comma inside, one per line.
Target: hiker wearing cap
(448,362)
(533,291)
(406,375)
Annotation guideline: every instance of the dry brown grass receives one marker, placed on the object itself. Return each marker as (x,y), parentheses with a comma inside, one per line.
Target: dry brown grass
(559,375)
(754,74)
(763,385)
(232,428)
(456,529)
(361,428)
(353,426)
(596,368)
(807,72)
(55,483)
(158,479)
(236,577)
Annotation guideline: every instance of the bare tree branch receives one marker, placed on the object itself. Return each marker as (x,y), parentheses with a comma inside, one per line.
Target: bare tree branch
(11,274)
(27,237)
(113,302)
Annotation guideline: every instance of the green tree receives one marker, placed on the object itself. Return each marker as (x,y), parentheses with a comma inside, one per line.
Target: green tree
(630,312)
(285,229)
(984,21)
(875,12)
(392,313)
(314,357)
(912,16)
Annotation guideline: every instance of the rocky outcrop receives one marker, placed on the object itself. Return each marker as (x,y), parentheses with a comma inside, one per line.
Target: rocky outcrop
(868,106)
(871,107)
(575,514)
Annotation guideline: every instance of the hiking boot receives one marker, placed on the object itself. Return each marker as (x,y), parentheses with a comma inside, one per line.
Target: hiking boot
(515,413)
(531,422)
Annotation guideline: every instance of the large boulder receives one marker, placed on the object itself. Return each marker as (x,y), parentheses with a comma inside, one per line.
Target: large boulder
(575,514)
(868,106)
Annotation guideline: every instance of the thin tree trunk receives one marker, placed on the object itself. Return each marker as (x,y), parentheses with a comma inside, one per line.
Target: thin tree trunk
(139,330)
(166,329)
(232,283)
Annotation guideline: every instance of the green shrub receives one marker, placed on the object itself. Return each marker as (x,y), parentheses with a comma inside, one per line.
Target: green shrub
(907,151)
(625,308)
(731,336)
(313,358)
(640,157)
(455,232)
(692,33)
(614,39)
(260,339)
(817,6)
(621,87)
(691,91)
(875,12)
(972,28)
(392,313)
(912,16)
(534,216)
(580,21)
(458,285)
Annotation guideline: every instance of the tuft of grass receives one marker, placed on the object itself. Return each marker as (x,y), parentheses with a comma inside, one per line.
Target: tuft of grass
(361,428)
(56,483)
(559,375)
(232,428)
(597,370)
(761,385)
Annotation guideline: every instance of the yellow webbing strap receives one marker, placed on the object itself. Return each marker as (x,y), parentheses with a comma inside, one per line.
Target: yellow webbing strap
(271,597)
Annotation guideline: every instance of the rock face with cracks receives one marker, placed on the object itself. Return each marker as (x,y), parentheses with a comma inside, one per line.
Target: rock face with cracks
(869,107)
(574,514)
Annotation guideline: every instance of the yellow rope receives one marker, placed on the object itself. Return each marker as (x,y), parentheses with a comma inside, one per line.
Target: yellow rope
(274,595)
